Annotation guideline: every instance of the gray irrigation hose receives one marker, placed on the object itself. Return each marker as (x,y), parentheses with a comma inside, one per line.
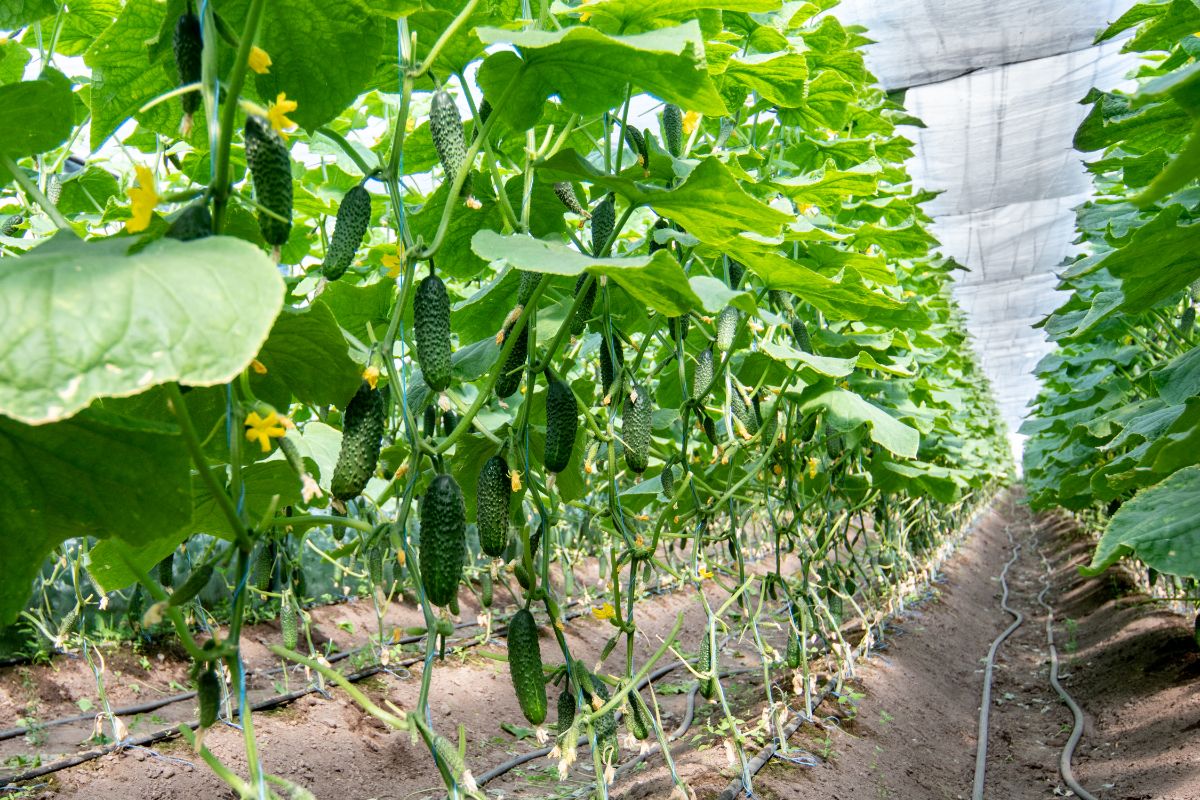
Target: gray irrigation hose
(1064,758)
(986,703)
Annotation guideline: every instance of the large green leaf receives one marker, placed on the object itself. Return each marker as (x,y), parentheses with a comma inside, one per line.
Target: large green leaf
(262,483)
(323,54)
(590,70)
(35,116)
(13,58)
(85,320)
(710,204)
(655,280)
(628,14)
(94,475)
(778,79)
(1160,526)
(846,410)
(829,186)
(306,356)
(17,13)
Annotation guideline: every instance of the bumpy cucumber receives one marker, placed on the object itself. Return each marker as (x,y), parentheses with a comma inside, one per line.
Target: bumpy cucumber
(353,219)
(800,335)
(514,366)
(494,498)
(431,325)
(672,126)
(635,428)
(208,693)
(445,127)
(566,709)
(192,586)
(604,219)
(702,378)
(194,222)
(612,360)
(583,312)
(271,171)
(189,51)
(443,539)
(362,437)
(707,663)
(565,192)
(727,326)
(640,724)
(562,421)
(525,666)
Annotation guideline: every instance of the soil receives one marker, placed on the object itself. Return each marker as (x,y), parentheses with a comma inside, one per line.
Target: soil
(905,728)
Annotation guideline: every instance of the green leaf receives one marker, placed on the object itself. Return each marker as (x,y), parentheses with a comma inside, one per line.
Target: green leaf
(590,70)
(18,13)
(715,294)
(657,280)
(83,320)
(822,365)
(1160,526)
(13,58)
(710,204)
(1180,379)
(830,187)
(84,24)
(35,116)
(357,308)
(779,79)
(306,356)
(846,410)
(1156,261)
(95,475)
(323,54)
(627,14)
(262,482)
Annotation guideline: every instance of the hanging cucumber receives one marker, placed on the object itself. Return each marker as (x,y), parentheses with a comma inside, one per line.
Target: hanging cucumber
(636,420)
(672,127)
(525,666)
(562,421)
(189,51)
(362,436)
(604,219)
(443,540)
(494,502)
(271,172)
(353,218)
(431,326)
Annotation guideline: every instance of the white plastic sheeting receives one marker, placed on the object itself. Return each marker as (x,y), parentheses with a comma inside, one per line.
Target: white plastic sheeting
(998,84)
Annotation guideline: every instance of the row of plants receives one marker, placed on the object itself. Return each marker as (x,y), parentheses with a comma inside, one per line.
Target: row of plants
(1114,430)
(475,292)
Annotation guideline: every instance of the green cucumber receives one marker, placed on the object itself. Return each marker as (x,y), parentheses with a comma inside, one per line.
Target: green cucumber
(194,222)
(362,436)
(583,312)
(727,327)
(566,709)
(514,366)
(562,422)
(604,220)
(640,723)
(672,128)
(271,172)
(208,693)
(443,539)
(195,582)
(525,666)
(565,192)
(431,327)
(353,219)
(446,129)
(702,377)
(189,51)
(636,420)
(612,363)
(494,503)
(707,663)
(800,335)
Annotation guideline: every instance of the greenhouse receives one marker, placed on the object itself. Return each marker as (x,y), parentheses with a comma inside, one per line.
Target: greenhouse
(690,399)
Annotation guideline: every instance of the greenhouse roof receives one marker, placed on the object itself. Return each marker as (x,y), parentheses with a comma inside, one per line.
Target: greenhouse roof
(998,86)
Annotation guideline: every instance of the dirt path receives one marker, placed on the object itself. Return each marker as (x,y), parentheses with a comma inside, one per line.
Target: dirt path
(1133,668)
(906,729)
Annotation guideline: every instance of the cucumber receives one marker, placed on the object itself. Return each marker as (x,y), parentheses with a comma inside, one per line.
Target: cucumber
(494,502)
(271,172)
(565,192)
(68,623)
(353,218)
(736,271)
(800,335)
(446,129)
(637,143)
(562,421)
(194,222)
(189,50)
(485,589)
(429,421)
(741,412)
(612,361)
(566,709)
(640,723)
(702,377)
(529,282)
(288,624)
(264,566)
(710,429)
(727,325)
(604,219)
(678,327)
(1187,320)
(443,539)
(672,128)
(605,725)
(667,478)
(525,666)
(793,648)
(514,365)
(449,421)
(636,420)
(208,693)
(362,436)
(431,326)
(166,570)
(192,586)
(654,246)
(707,663)
(12,226)
(583,311)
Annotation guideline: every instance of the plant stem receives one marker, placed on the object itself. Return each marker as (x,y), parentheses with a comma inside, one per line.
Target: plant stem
(33,191)
(237,77)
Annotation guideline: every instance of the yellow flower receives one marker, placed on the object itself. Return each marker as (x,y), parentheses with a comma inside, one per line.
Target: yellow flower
(279,110)
(259,61)
(393,263)
(258,367)
(812,468)
(703,573)
(585,16)
(807,209)
(605,611)
(143,198)
(515,477)
(371,376)
(690,120)
(263,429)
